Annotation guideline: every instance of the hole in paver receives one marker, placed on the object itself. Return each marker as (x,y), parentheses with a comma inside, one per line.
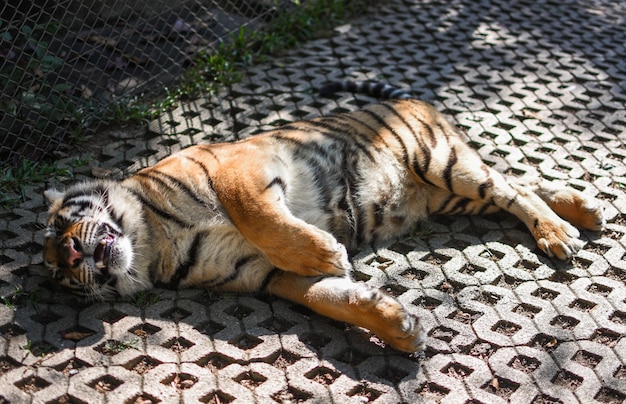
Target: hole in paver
(609,395)
(394,290)
(481,349)
(351,357)
(143,398)
(291,395)
(365,393)
(415,274)
(564,277)
(105,383)
(487,297)
(545,399)
(276,324)
(432,390)
(238,311)
(443,333)
(435,259)
(599,289)
(41,348)
(112,316)
(112,347)
(501,387)
(215,361)
(457,370)
(144,330)
(180,381)
(567,379)
(524,363)
(427,302)
(217,397)
(210,327)
(606,337)
(178,344)
(11,330)
(45,317)
(393,374)
(545,342)
(618,317)
(32,384)
(379,262)
(71,367)
(65,399)
(7,364)
(246,341)
(142,364)
(175,314)
(586,358)
(465,316)
(250,379)
(526,310)
(471,269)
(565,322)
(620,373)
(582,305)
(315,340)
(282,359)
(545,294)
(323,375)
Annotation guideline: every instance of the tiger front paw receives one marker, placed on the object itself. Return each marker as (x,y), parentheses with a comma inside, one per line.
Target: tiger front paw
(557,238)
(391,321)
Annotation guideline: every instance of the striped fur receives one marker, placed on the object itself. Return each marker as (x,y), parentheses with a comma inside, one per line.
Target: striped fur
(275,213)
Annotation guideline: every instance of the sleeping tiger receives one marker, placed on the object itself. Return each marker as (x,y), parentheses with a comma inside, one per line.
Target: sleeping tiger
(275,213)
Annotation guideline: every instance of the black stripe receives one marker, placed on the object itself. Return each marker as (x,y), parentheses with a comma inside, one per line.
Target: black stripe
(207,148)
(183,269)
(181,185)
(268,278)
(482,188)
(202,167)
(97,190)
(383,123)
(420,173)
(460,206)
(340,133)
(238,267)
(420,169)
(379,214)
(447,172)
(159,212)
(277,181)
(508,205)
(443,205)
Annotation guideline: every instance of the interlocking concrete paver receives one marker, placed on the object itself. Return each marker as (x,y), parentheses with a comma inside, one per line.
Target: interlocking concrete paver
(537,93)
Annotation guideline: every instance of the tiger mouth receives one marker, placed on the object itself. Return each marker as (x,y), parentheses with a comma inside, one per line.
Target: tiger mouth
(102,254)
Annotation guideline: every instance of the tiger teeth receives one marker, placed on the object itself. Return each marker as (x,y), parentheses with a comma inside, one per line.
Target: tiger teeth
(100,264)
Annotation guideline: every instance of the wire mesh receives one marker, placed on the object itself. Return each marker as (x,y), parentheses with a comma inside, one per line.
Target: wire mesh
(63,63)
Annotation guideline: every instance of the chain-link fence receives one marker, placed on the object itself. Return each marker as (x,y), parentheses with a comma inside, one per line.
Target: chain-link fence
(63,62)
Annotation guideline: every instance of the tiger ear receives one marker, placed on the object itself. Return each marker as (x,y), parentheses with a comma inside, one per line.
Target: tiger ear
(53,196)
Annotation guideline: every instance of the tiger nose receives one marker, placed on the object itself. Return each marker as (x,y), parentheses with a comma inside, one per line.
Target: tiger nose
(74,255)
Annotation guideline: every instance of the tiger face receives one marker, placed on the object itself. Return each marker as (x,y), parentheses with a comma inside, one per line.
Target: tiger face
(88,246)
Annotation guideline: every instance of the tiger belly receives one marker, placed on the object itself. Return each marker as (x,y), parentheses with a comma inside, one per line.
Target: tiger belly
(368,201)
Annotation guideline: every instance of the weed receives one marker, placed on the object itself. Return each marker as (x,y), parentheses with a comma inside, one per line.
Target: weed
(145,299)
(13,179)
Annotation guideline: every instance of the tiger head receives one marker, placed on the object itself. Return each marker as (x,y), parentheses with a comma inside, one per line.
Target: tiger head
(92,238)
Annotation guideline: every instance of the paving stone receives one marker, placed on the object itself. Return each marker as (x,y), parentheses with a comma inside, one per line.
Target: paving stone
(535,94)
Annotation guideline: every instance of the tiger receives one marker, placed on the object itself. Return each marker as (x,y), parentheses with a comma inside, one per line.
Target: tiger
(277,213)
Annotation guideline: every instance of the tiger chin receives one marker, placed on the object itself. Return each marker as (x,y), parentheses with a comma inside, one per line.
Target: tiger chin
(276,213)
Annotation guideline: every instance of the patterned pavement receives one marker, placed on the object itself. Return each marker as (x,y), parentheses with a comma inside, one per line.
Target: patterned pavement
(539,88)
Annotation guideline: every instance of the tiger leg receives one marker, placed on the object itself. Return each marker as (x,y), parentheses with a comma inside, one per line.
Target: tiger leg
(357,303)
(472,180)
(577,208)
(255,202)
